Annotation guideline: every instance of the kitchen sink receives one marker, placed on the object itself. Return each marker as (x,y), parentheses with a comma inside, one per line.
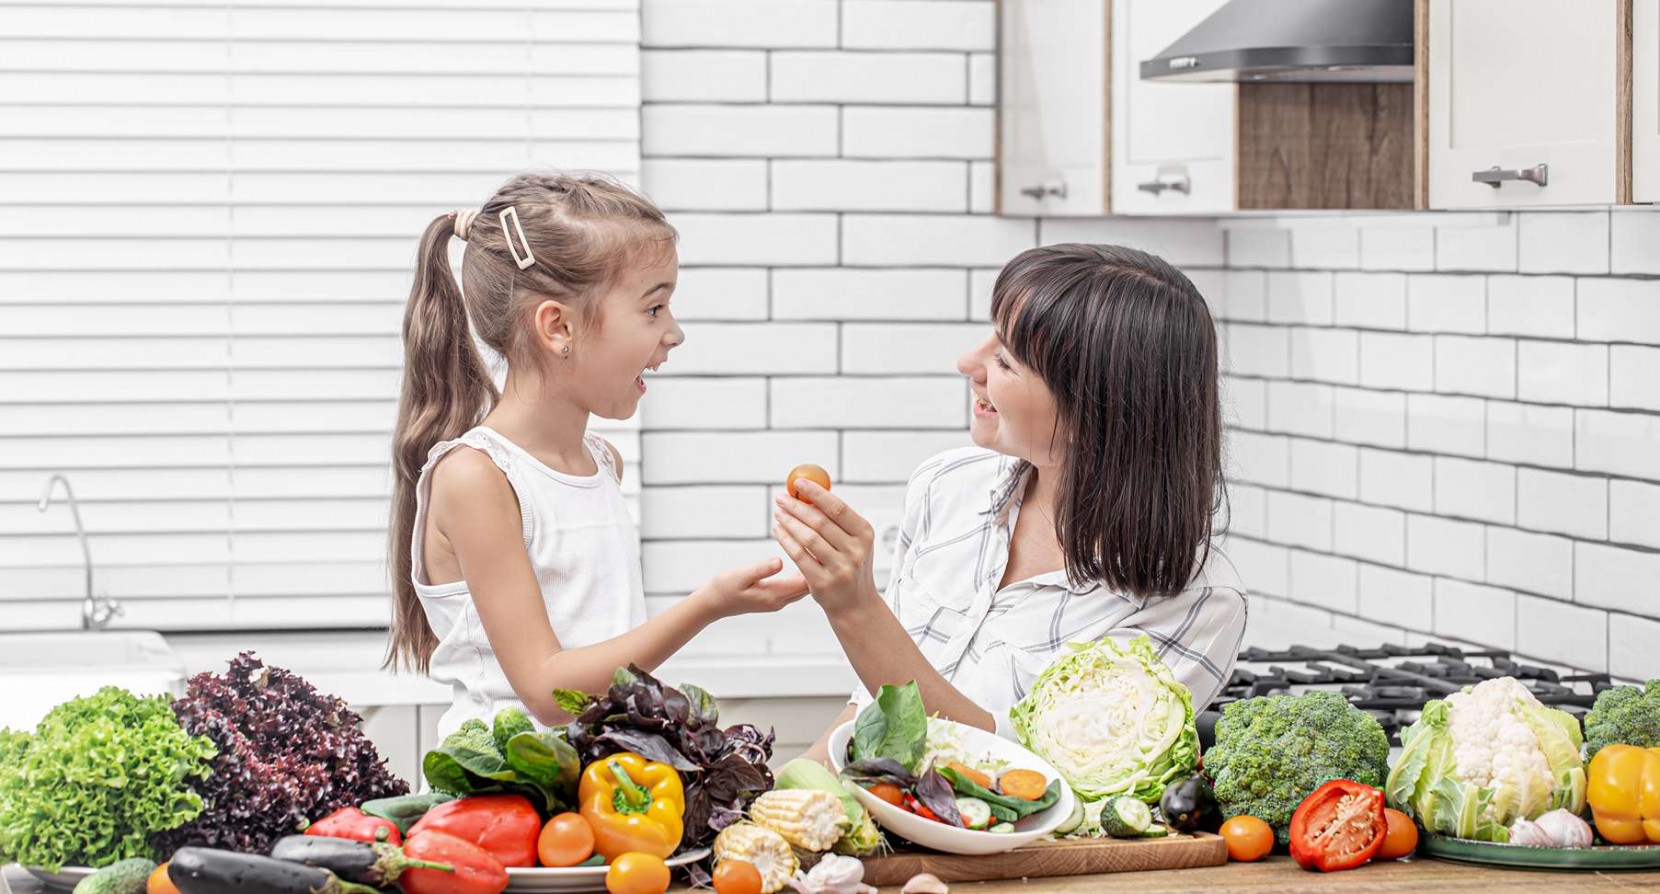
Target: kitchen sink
(40,670)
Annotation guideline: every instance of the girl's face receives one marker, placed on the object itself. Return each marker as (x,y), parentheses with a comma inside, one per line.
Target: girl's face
(633,332)
(1013,411)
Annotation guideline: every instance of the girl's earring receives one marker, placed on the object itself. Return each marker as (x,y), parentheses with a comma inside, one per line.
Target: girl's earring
(565,351)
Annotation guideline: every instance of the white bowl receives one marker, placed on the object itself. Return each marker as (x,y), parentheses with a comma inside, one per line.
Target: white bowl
(950,839)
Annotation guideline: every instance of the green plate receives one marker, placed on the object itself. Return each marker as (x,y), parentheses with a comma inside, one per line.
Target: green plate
(1517,857)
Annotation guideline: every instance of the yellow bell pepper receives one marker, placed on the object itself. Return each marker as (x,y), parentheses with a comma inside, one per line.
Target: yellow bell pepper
(633,805)
(1623,790)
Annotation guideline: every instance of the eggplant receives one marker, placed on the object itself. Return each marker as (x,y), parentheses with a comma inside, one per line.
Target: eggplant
(369,862)
(200,870)
(1187,803)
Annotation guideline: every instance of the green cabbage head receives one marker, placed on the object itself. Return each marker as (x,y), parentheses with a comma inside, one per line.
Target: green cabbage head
(1112,719)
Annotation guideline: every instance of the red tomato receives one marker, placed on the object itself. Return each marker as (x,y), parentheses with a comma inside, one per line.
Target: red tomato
(888,792)
(815,474)
(1402,837)
(1340,826)
(1249,839)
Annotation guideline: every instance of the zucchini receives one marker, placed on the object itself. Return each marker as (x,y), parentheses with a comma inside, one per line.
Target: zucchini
(200,870)
(372,863)
(1073,820)
(976,813)
(1125,817)
(404,810)
(126,877)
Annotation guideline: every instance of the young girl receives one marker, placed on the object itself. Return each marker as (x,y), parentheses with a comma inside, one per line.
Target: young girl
(515,564)
(1085,510)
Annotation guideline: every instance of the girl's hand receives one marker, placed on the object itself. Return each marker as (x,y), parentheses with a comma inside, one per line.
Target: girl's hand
(830,543)
(750,589)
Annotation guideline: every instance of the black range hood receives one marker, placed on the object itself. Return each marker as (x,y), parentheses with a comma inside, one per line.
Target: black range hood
(1323,41)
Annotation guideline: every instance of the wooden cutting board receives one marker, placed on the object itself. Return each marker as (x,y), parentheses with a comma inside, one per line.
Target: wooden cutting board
(1082,856)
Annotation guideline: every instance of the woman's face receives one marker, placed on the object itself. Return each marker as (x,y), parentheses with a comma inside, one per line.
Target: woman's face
(1013,411)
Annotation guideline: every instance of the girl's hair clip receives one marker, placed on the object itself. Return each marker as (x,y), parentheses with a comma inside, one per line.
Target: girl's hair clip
(512,213)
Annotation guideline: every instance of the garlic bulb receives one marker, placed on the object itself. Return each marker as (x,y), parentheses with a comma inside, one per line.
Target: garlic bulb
(1565,828)
(835,874)
(1528,834)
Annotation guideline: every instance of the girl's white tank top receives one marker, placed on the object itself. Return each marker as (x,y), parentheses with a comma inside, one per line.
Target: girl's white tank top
(585,549)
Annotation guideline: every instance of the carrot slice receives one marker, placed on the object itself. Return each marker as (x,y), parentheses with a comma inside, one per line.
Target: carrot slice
(971,774)
(1027,785)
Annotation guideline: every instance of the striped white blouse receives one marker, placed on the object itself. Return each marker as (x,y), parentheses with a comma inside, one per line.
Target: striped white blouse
(993,643)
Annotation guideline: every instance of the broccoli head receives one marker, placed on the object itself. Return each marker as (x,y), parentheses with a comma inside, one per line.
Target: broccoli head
(1624,715)
(509,722)
(1271,752)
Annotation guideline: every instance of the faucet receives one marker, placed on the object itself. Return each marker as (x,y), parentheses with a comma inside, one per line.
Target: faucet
(96,613)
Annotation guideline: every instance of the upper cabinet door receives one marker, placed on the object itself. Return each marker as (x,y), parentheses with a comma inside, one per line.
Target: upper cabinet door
(1052,140)
(1172,144)
(1645,97)
(1524,100)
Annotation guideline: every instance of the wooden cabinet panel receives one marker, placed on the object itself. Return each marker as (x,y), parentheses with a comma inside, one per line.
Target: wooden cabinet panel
(1516,84)
(1052,108)
(1172,144)
(1645,101)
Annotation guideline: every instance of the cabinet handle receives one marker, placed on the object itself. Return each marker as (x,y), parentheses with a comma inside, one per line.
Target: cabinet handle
(1044,190)
(1495,175)
(1183,185)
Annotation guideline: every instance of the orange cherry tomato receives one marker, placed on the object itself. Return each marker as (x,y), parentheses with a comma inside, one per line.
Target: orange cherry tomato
(637,873)
(566,840)
(1249,839)
(160,882)
(888,792)
(1027,785)
(1402,837)
(737,877)
(815,474)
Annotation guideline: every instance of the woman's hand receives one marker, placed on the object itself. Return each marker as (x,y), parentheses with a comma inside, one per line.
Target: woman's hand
(830,543)
(749,589)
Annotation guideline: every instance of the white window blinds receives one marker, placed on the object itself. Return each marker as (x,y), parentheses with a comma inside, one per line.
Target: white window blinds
(208,217)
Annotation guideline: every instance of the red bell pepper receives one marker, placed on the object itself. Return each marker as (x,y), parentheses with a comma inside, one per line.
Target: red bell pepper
(507,826)
(476,871)
(1340,826)
(353,824)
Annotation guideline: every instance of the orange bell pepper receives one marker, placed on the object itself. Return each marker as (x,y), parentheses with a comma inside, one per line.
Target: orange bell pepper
(633,805)
(1623,789)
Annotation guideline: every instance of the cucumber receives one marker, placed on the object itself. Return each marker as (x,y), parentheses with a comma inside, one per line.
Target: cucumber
(1002,828)
(126,877)
(1125,817)
(976,813)
(1073,820)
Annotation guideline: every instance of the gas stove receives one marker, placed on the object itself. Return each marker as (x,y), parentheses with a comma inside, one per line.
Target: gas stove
(1392,682)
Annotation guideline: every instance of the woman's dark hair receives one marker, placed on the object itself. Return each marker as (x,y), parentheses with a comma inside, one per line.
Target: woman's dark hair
(1127,347)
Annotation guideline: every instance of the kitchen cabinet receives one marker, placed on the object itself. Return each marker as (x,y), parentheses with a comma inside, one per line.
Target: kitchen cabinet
(1172,144)
(1528,102)
(1645,101)
(1052,108)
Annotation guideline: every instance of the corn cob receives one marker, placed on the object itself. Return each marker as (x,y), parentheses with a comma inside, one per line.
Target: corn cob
(807,818)
(762,848)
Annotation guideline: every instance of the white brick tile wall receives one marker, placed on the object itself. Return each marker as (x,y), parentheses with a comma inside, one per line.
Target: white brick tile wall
(982,186)
(733,457)
(1564,242)
(1541,306)
(1483,614)
(1397,361)
(1631,640)
(908,348)
(1325,581)
(843,402)
(1634,377)
(1262,459)
(1183,242)
(768,24)
(1469,365)
(1440,303)
(1335,247)
(1259,247)
(717,293)
(1443,546)
(735,239)
(1370,532)
(1562,373)
(1439,424)
(1560,631)
(1537,563)
(752,131)
(803,185)
(1405,480)
(893,455)
(1397,597)
(1634,512)
(1385,247)
(681,513)
(673,402)
(1300,298)
(854,77)
(916,240)
(918,24)
(1245,403)
(1246,294)
(886,132)
(1300,409)
(1326,355)
(1300,520)
(756,349)
(681,566)
(1635,233)
(1370,300)
(1369,417)
(1527,433)
(1325,468)
(685,184)
(1619,310)
(980,285)
(1617,443)
(703,75)
(1247,510)
(1479,490)
(1488,247)
(982,78)
(1258,350)
(1266,566)
(836,293)
(1563,503)
(1615,577)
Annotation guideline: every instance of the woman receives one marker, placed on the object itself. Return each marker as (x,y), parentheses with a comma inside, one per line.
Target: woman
(1084,511)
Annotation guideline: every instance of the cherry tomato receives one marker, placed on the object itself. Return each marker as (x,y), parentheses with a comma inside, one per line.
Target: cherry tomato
(888,792)
(159,882)
(566,840)
(637,873)
(1249,839)
(815,474)
(737,877)
(1402,837)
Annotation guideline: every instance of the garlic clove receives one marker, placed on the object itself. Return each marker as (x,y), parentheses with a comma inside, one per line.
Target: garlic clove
(925,883)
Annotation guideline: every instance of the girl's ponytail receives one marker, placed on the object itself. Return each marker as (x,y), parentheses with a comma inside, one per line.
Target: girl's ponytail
(446,391)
